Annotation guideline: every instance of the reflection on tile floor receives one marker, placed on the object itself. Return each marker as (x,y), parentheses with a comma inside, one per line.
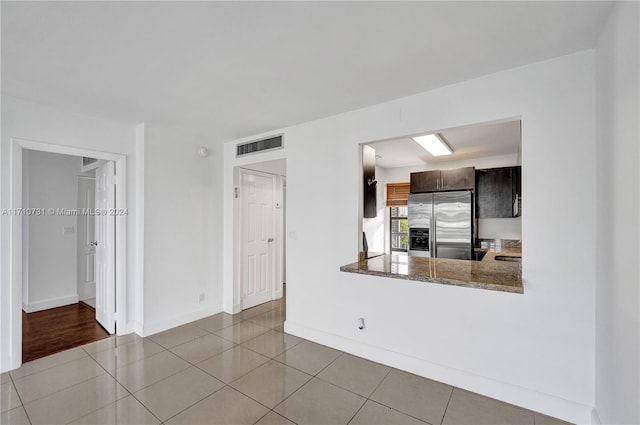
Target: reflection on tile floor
(230,370)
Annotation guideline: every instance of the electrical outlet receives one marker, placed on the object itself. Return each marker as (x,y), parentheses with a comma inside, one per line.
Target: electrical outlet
(201,297)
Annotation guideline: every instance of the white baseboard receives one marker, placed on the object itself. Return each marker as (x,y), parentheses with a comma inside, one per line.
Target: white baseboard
(50,303)
(6,363)
(136,327)
(155,327)
(509,393)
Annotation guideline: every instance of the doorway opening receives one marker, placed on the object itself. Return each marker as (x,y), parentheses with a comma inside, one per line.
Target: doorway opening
(260,230)
(44,246)
(61,307)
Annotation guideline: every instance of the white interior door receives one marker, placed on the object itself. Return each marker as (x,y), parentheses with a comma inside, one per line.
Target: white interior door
(86,237)
(257,237)
(105,246)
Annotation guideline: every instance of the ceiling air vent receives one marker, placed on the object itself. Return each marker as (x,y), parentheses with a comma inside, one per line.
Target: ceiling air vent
(259,146)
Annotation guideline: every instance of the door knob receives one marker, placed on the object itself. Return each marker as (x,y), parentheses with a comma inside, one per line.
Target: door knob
(94,243)
(270,240)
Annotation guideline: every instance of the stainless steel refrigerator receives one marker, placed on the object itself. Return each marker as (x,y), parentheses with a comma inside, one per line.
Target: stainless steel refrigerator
(441,224)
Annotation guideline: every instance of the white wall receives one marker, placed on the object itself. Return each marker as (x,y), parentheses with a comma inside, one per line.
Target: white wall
(50,182)
(536,349)
(31,121)
(181,227)
(617,233)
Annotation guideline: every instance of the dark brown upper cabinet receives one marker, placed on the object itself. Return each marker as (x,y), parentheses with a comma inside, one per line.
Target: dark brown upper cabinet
(496,192)
(458,179)
(425,181)
(443,180)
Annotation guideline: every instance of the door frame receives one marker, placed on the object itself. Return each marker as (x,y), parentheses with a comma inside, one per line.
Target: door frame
(278,224)
(17,146)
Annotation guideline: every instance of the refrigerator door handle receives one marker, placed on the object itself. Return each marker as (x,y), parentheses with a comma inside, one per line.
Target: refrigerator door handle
(432,232)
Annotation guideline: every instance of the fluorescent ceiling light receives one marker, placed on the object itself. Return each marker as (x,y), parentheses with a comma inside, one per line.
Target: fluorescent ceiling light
(434,144)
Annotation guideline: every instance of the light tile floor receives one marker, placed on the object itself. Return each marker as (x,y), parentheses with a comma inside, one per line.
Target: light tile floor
(239,369)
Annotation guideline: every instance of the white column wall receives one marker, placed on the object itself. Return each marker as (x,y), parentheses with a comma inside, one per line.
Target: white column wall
(617,224)
(181,227)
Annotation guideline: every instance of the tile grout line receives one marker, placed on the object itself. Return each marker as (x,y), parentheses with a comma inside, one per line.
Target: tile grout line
(46,368)
(272,358)
(252,320)
(190,365)
(19,398)
(309,380)
(93,356)
(64,388)
(131,393)
(372,392)
(447,406)
(186,408)
(391,369)
(116,390)
(114,375)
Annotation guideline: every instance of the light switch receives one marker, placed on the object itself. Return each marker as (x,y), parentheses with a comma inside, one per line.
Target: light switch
(293,235)
(68,230)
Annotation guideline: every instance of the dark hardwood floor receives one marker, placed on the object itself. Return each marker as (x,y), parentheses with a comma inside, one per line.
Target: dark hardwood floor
(50,331)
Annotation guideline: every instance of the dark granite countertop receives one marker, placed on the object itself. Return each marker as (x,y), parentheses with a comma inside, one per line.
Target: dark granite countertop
(488,274)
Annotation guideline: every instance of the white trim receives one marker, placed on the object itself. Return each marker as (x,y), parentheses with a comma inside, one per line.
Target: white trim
(154,328)
(121,248)
(50,303)
(139,230)
(26,195)
(509,393)
(65,150)
(236,290)
(16,147)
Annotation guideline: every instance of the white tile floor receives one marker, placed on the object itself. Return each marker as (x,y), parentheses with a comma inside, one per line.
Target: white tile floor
(231,370)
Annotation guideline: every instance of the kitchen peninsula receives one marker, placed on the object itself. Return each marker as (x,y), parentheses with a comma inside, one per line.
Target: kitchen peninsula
(489,273)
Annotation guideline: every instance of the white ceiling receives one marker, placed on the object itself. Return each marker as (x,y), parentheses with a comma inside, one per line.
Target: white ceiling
(233,69)
(469,142)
